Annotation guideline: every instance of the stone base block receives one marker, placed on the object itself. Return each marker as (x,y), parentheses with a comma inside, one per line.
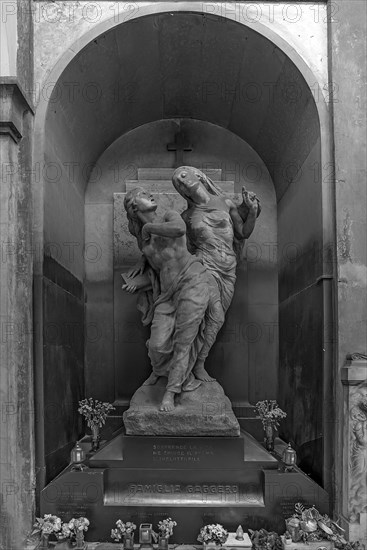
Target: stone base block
(233,544)
(326,544)
(205,411)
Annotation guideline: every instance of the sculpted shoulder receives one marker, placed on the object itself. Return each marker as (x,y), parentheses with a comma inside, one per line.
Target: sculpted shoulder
(171,215)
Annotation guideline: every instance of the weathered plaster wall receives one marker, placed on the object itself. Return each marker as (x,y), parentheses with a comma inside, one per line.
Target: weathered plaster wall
(25,52)
(60,26)
(17,471)
(348,57)
(213,147)
(17,464)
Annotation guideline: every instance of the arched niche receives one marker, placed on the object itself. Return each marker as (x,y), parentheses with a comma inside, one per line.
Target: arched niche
(174,64)
(245,357)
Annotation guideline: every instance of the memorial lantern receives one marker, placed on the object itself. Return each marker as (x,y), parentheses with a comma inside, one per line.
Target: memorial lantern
(77,457)
(289,458)
(145,535)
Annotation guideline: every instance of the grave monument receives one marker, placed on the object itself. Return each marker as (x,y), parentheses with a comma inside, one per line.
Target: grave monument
(184,297)
(181,452)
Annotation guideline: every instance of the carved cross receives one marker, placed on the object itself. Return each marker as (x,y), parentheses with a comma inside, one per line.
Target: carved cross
(179,146)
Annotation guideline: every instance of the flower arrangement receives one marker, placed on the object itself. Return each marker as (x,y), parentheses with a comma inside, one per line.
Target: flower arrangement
(270,413)
(75,526)
(94,411)
(313,526)
(213,533)
(74,530)
(48,525)
(122,529)
(265,540)
(52,525)
(165,527)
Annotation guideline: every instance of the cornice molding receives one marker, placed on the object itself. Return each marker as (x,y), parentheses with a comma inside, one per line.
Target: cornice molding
(13,103)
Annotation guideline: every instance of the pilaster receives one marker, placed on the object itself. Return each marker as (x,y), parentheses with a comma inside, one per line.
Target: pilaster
(17,471)
(354,467)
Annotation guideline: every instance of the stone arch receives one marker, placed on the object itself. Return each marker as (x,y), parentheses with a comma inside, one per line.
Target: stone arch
(55,197)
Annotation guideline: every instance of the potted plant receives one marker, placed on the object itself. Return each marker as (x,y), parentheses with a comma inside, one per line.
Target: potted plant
(165,531)
(270,414)
(124,531)
(315,527)
(73,530)
(293,528)
(265,540)
(212,536)
(95,413)
(287,538)
(45,527)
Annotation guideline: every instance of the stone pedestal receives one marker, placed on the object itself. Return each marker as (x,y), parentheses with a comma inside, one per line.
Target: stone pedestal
(194,480)
(234,544)
(205,411)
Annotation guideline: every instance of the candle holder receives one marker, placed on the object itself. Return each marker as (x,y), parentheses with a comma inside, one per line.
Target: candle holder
(239,533)
(77,457)
(289,458)
(145,535)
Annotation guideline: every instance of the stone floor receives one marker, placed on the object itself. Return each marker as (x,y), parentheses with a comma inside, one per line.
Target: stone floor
(113,546)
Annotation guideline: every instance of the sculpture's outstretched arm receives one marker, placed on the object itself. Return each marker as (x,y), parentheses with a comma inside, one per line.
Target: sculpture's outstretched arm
(250,208)
(173,226)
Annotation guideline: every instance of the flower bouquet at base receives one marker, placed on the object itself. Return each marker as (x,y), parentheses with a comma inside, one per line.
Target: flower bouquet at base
(95,412)
(213,535)
(270,414)
(165,531)
(47,527)
(265,540)
(124,532)
(73,534)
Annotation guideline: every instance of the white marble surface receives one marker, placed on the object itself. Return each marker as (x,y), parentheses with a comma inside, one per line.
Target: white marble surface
(232,542)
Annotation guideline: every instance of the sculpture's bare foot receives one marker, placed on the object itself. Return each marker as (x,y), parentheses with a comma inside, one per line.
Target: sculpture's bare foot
(201,374)
(151,380)
(168,401)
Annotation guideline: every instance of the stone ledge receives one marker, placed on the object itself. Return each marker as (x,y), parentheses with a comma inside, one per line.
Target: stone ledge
(13,104)
(354,372)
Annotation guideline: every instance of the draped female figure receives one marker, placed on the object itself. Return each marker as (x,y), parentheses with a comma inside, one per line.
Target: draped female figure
(216,230)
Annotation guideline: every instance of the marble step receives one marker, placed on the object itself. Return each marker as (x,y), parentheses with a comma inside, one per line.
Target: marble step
(165,186)
(184,453)
(166,173)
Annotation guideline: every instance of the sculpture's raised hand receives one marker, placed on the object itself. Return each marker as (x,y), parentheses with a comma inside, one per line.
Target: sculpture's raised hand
(250,200)
(137,270)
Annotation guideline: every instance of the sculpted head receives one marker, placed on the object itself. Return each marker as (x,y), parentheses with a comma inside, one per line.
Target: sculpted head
(136,201)
(193,184)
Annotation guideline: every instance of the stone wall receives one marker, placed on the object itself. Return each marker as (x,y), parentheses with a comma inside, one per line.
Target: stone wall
(347,57)
(17,442)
